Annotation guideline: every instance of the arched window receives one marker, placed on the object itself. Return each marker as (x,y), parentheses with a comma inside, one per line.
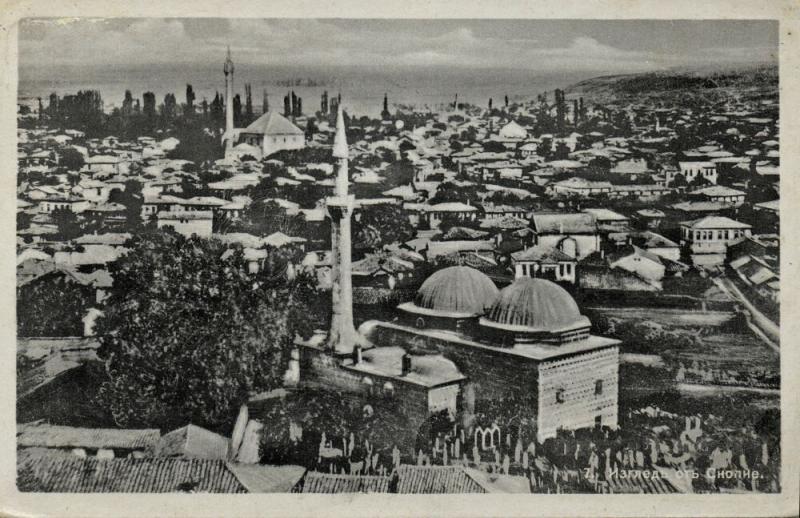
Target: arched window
(388,388)
(598,387)
(420,323)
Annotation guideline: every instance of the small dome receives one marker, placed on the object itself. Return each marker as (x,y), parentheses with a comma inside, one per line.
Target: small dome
(535,305)
(457,291)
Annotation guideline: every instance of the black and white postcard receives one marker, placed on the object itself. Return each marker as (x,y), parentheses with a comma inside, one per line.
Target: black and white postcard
(527,262)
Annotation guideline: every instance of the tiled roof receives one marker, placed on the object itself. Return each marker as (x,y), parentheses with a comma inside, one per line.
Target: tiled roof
(273,123)
(326,483)
(436,480)
(59,472)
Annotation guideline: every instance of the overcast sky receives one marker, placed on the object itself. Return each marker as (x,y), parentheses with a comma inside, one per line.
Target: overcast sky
(549,45)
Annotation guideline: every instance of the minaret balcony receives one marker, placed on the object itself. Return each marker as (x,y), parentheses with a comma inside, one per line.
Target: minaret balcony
(340,206)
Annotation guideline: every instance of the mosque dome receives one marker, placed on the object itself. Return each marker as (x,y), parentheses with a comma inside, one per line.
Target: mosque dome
(456,292)
(535,306)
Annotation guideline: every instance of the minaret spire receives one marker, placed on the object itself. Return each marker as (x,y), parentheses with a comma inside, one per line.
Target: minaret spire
(343,336)
(228,69)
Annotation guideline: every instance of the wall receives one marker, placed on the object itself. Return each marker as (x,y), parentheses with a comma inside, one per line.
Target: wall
(617,279)
(576,377)
(275,143)
(201,227)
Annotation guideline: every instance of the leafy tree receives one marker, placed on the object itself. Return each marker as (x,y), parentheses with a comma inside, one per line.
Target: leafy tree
(71,159)
(187,335)
(23,220)
(494,147)
(388,223)
(449,192)
(267,217)
(52,305)
(67,223)
(131,198)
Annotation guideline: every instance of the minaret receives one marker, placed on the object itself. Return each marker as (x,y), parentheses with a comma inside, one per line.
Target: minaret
(228,68)
(342,337)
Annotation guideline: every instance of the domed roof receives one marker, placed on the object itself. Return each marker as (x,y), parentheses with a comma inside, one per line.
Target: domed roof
(535,305)
(457,291)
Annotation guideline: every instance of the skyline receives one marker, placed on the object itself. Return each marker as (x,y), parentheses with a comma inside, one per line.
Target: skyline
(549,46)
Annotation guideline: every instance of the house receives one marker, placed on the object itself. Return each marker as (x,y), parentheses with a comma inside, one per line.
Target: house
(188,223)
(544,262)
(580,187)
(691,171)
(640,262)
(72,203)
(608,219)
(43,470)
(575,234)
(434,214)
(632,168)
(707,239)
(106,164)
(103,443)
(642,192)
(513,131)
(720,193)
(272,132)
(657,244)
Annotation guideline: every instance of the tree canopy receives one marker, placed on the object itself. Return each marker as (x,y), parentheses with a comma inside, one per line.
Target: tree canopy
(188,334)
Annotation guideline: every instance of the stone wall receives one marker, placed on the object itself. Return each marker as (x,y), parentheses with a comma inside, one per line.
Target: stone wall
(568,392)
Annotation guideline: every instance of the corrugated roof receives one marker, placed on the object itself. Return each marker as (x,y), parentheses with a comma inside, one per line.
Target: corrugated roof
(61,472)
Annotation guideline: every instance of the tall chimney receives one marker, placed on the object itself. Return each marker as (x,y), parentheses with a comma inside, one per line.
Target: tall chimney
(406,365)
(342,337)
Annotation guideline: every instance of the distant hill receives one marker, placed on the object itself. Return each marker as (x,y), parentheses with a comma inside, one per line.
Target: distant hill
(763,79)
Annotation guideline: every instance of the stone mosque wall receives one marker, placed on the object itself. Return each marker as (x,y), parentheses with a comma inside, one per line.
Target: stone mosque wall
(576,391)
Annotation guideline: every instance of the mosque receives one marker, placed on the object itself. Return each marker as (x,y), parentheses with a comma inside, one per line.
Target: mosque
(268,134)
(462,343)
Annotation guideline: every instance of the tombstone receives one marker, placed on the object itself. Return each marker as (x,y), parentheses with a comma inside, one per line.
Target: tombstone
(525,460)
(506,464)
(764,453)
(444,457)
(518,452)
(476,455)
(457,448)
(639,458)
(419,458)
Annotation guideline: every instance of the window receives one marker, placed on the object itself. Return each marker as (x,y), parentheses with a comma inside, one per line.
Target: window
(598,387)
(560,395)
(420,323)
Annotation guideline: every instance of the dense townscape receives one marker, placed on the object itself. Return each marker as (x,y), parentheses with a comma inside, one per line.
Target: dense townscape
(572,293)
